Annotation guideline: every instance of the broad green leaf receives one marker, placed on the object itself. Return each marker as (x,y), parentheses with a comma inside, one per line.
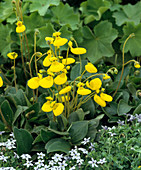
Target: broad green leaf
(62,122)
(133,44)
(128,13)
(57,144)
(93,9)
(24,141)
(58,132)
(99,43)
(78,131)
(110,110)
(137,110)
(41,6)
(7,112)
(132,89)
(123,107)
(65,15)
(32,111)
(5,39)
(33,21)
(6,9)
(47,135)
(37,139)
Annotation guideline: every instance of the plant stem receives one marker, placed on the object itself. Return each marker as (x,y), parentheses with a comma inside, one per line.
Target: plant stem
(15,76)
(130,36)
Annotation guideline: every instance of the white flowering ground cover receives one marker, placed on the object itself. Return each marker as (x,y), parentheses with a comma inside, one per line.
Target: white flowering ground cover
(117,147)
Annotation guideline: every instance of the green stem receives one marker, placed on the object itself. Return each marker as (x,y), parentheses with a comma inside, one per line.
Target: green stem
(15,76)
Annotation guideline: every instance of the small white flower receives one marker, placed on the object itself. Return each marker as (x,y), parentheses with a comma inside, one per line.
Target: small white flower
(62,165)
(28,164)
(86,140)
(16,156)
(2,144)
(102,161)
(72,168)
(41,155)
(93,163)
(52,163)
(12,135)
(75,155)
(57,157)
(112,134)
(39,163)
(4,158)
(2,132)
(25,156)
(80,161)
(92,147)
(83,150)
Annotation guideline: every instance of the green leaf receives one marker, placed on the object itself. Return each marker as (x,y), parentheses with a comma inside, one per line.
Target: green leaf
(42,6)
(47,135)
(99,43)
(93,9)
(133,44)
(24,141)
(128,13)
(32,111)
(123,107)
(57,144)
(65,15)
(78,115)
(62,122)
(7,112)
(5,39)
(132,90)
(137,110)
(58,132)
(78,131)
(75,71)
(6,9)
(37,139)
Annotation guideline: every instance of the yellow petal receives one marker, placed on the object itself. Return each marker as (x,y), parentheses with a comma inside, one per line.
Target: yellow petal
(105,77)
(106,97)
(56,34)
(1,82)
(47,107)
(99,100)
(94,84)
(20,29)
(12,55)
(49,39)
(56,66)
(78,51)
(58,109)
(90,68)
(65,98)
(46,82)
(68,61)
(137,65)
(83,91)
(33,83)
(60,79)
(70,44)
(46,61)
(65,90)
(60,42)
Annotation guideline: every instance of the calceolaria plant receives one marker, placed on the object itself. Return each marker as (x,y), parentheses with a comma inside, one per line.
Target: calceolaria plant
(67,96)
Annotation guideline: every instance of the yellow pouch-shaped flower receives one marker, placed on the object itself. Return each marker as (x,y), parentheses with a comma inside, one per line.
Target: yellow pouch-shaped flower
(83,91)
(94,84)
(33,83)
(1,82)
(105,77)
(65,98)
(58,109)
(12,55)
(49,39)
(46,82)
(68,61)
(20,27)
(47,107)
(60,79)
(106,97)
(99,100)
(46,61)
(78,51)
(60,41)
(65,90)
(90,68)
(137,65)
(56,67)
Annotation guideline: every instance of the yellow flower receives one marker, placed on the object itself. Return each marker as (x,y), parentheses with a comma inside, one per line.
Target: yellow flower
(137,65)
(91,68)
(20,27)
(57,108)
(1,82)
(65,90)
(80,84)
(60,41)
(105,77)
(60,79)
(12,55)
(68,67)
(56,66)
(68,61)
(39,54)
(106,97)
(46,82)
(65,98)
(49,40)
(49,98)
(99,100)
(33,83)
(139,166)
(94,84)
(83,91)
(56,34)
(46,61)
(78,50)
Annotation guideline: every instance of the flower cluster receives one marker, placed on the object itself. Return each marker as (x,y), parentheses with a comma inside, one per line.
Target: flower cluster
(56,76)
